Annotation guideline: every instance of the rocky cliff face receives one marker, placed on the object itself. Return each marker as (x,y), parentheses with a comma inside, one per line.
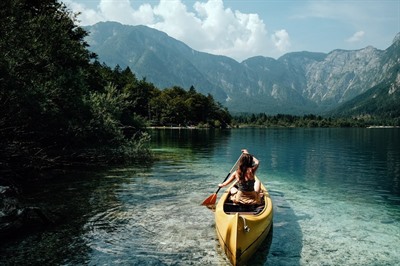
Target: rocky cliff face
(338,77)
(383,96)
(296,83)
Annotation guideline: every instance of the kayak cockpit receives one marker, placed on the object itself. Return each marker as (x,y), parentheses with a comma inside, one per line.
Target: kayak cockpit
(231,208)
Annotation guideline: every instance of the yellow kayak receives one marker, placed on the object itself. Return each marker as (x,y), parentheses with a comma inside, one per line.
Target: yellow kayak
(242,228)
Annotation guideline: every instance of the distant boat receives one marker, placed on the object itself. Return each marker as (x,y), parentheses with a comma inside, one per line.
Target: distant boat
(242,228)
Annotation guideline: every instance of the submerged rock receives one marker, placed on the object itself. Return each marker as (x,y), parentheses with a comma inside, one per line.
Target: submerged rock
(16,220)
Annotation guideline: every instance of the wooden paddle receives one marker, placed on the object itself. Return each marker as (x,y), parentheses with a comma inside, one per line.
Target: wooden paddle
(213,198)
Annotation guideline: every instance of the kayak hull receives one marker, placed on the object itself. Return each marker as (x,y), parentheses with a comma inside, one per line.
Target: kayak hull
(242,229)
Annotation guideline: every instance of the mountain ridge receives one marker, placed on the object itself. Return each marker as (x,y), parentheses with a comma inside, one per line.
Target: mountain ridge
(295,83)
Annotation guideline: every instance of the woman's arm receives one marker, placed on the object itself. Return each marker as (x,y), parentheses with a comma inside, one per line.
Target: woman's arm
(230,179)
(257,186)
(256,163)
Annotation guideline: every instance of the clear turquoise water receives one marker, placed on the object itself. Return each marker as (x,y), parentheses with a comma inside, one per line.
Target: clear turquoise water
(336,195)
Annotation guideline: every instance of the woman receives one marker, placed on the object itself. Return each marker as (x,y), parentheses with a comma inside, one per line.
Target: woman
(247,188)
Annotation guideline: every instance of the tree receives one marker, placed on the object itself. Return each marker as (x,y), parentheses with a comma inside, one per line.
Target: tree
(53,100)
(45,59)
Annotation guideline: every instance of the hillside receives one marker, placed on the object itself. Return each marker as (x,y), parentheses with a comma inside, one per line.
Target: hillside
(383,99)
(296,83)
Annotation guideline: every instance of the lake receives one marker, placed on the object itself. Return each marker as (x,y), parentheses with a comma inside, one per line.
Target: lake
(336,196)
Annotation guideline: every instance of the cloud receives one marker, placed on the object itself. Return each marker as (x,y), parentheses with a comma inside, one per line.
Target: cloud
(357,37)
(205,26)
(173,18)
(281,40)
(87,15)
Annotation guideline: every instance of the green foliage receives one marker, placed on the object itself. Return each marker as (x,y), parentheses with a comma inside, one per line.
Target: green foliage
(44,63)
(177,107)
(55,104)
(58,105)
(310,121)
(107,108)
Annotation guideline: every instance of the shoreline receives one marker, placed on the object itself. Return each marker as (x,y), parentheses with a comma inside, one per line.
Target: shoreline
(383,127)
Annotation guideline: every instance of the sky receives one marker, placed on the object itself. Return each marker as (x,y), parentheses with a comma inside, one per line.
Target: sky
(242,29)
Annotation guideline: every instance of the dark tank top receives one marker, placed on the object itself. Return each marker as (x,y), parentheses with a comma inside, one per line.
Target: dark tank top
(246,185)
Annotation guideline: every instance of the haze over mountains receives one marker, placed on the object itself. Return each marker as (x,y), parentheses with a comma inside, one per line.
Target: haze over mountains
(356,82)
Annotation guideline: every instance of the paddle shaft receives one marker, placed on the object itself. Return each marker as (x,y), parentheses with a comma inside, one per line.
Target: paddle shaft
(230,172)
(223,182)
(210,201)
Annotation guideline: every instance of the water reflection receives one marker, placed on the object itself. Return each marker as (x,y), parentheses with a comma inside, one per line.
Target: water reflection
(331,188)
(197,141)
(330,156)
(68,199)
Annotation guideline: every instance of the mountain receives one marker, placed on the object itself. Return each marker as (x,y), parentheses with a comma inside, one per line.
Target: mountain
(382,99)
(296,83)
(151,54)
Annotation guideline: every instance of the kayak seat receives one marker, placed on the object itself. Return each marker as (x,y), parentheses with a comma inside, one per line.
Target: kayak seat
(231,208)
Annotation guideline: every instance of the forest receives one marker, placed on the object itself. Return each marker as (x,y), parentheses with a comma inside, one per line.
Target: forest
(311,121)
(59,106)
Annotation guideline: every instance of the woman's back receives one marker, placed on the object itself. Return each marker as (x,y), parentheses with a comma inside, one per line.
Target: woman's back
(246,185)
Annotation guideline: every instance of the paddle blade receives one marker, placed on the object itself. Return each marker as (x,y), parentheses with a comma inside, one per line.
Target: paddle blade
(210,200)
